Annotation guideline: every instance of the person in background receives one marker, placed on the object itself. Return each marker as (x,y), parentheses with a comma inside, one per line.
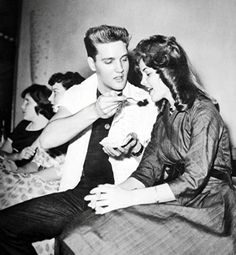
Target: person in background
(37,110)
(60,83)
(181,198)
(40,176)
(24,174)
(101,102)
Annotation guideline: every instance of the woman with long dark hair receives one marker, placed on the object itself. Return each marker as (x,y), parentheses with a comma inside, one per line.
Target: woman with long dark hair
(180,200)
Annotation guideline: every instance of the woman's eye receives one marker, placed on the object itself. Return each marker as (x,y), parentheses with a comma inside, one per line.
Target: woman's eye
(125,59)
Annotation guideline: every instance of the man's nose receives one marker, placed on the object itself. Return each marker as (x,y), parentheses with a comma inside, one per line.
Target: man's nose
(119,67)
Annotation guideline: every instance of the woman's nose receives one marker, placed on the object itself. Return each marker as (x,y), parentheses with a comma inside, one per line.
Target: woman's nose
(51,98)
(145,84)
(23,106)
(144,81)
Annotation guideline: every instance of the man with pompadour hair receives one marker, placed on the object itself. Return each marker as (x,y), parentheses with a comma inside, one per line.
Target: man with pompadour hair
(107,133)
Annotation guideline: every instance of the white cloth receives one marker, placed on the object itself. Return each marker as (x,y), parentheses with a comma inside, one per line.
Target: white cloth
(131,118)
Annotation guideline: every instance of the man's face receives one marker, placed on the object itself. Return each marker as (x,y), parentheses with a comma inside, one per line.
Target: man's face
(111,65)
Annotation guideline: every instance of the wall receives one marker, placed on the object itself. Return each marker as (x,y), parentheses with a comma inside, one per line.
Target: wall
(8,32)
(54,31)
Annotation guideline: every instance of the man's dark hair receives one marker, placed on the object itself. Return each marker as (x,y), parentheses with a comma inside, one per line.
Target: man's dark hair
(104,34)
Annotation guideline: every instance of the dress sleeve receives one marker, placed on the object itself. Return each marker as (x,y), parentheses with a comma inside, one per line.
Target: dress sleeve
(150,167)
(206,129)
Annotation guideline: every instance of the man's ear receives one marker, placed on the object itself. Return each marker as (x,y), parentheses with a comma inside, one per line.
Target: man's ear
(91,63)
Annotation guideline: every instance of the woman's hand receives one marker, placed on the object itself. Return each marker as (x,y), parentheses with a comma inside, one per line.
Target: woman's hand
(27,153)
(107,197)
(10,165)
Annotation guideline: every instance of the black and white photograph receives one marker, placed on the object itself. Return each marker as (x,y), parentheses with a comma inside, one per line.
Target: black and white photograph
(117,127)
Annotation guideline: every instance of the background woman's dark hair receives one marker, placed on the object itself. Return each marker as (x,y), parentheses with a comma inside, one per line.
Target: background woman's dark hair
(40,94)
(170,61)
(67,80)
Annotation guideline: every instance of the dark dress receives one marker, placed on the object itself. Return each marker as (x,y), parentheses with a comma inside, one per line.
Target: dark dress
(22,138)
(192,147)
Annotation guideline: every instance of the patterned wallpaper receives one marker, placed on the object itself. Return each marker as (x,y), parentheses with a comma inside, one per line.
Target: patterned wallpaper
(40,44)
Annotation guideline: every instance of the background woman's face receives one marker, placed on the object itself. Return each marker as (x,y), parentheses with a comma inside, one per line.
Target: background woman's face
(151,80)
(28,108)
(57,93)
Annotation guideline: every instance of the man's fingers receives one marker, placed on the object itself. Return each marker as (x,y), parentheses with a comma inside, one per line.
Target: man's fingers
(111,151)
(114,152)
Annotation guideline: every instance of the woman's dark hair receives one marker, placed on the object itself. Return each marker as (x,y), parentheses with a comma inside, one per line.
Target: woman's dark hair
(40,94)
(67,80)
(170,61)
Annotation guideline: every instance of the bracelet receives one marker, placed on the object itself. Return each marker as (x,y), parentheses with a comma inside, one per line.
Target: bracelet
(139,152)
(157,197)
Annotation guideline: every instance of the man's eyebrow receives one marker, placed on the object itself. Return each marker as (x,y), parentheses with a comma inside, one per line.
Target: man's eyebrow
(110,58)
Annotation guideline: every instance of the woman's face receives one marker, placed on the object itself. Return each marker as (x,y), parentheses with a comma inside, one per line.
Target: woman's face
(28,108)
(151,80)
(57,93)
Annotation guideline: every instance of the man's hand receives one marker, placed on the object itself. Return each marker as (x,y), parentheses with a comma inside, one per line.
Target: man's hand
(108,104)
(130,144)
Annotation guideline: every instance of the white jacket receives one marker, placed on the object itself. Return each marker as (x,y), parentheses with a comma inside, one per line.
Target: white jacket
(131,118)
